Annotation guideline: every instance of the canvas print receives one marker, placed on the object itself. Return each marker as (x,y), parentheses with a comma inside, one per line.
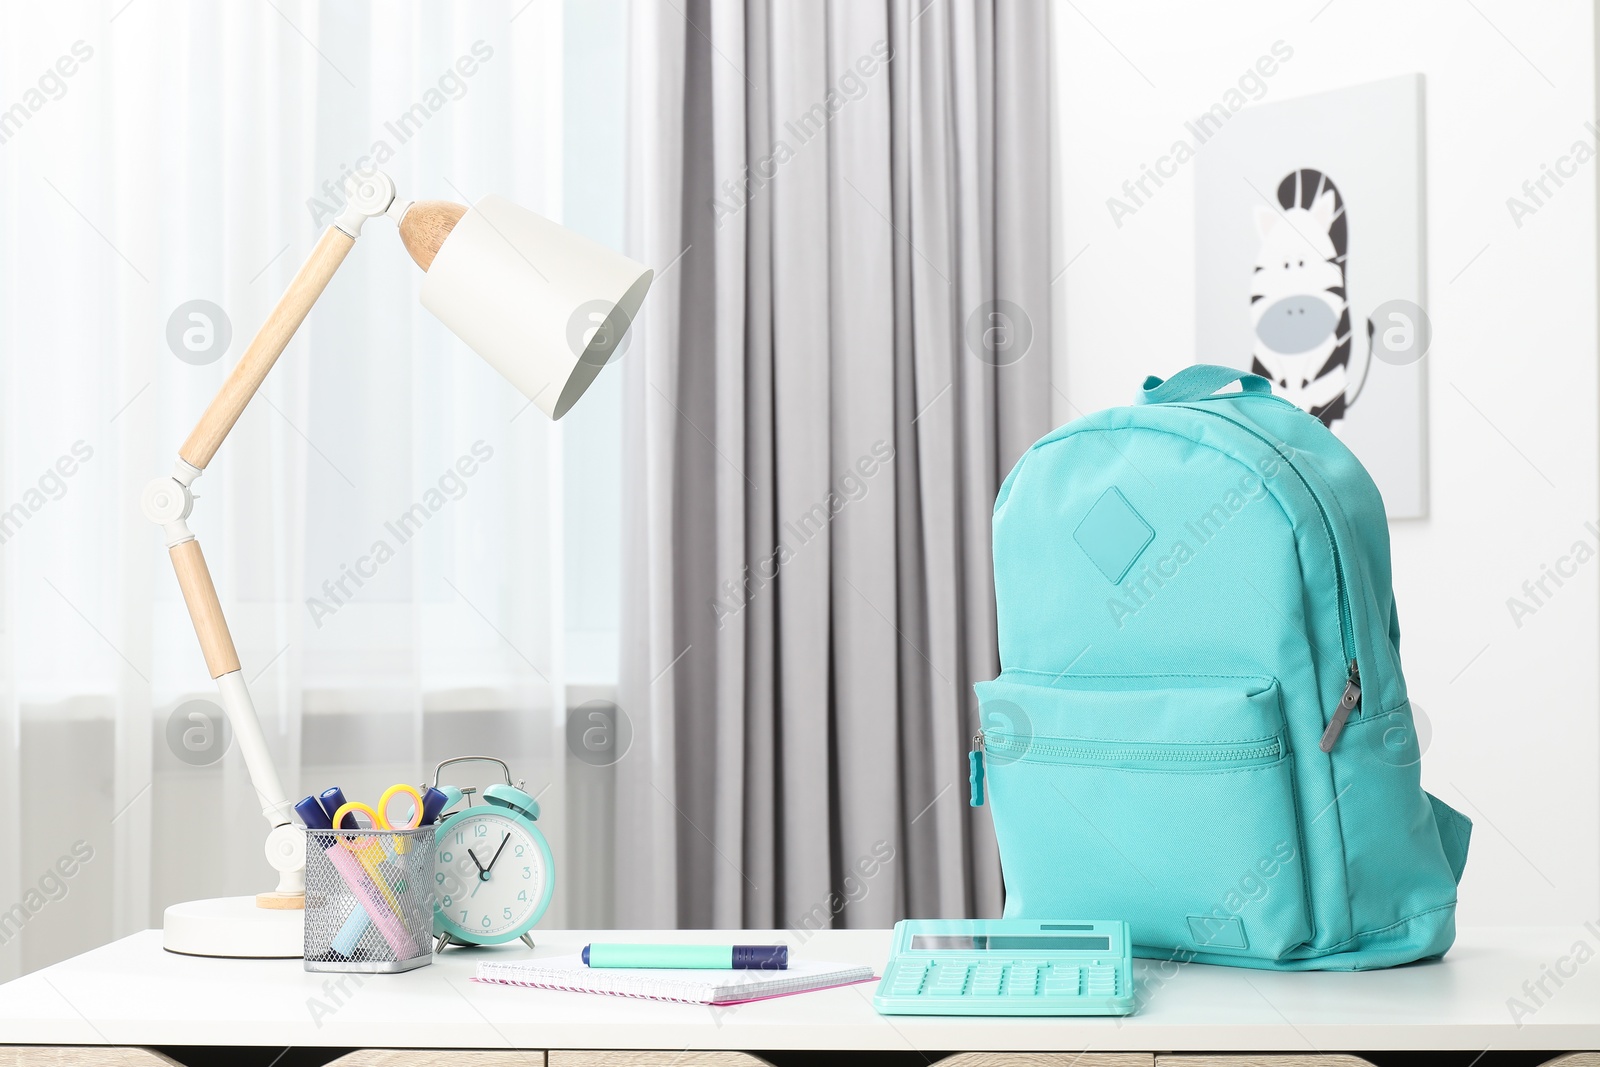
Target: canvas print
(1309,227)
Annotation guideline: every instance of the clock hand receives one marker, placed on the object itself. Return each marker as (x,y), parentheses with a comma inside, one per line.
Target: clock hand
(497,852)
(478,865)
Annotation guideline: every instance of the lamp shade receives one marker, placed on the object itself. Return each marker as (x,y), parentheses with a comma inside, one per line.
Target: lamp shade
(545,306)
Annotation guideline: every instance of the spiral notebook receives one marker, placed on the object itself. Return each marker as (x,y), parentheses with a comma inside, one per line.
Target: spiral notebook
(684,986)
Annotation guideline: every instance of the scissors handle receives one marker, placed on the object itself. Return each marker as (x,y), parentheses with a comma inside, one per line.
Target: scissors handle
(400,789)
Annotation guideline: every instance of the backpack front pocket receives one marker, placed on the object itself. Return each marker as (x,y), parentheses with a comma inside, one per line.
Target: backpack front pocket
(1168,802)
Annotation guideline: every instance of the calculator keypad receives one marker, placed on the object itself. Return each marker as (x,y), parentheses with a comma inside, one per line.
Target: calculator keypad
(956,978)
(908,978)
(949,979)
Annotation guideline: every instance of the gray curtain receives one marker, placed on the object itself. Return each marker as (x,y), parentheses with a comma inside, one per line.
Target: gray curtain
(847,204)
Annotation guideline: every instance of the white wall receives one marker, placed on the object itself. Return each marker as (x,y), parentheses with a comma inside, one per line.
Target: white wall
(1513,401)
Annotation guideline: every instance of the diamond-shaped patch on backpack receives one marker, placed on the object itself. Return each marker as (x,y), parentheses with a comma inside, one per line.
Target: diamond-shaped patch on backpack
(1112,535)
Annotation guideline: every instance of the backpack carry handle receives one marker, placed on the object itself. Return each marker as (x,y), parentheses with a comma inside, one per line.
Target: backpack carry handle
(1200,380)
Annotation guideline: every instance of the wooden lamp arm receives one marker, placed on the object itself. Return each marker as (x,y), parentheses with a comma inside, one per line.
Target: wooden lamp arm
(205,608)
(168,501)
(267,345)
(423,228)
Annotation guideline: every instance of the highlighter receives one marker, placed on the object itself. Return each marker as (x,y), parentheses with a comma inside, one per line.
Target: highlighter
(698,957)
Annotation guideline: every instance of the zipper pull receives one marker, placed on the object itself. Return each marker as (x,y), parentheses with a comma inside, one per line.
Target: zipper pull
(975,774)
(1349,700)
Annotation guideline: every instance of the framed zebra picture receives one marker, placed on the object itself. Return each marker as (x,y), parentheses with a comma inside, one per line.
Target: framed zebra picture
(1309,225)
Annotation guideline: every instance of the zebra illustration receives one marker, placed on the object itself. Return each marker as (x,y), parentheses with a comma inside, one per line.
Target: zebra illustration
(1298,305)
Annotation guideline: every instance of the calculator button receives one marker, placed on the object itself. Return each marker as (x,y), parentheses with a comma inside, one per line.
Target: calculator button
(1101,982)
(1023,981)
(906,979)
(986,980)
(949,980)
(1061,982)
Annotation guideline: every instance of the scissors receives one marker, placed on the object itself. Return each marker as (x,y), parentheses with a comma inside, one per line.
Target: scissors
(379,817)
(367,850)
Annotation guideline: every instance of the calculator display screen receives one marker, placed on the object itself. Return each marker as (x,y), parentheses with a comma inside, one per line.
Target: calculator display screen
(1007,943)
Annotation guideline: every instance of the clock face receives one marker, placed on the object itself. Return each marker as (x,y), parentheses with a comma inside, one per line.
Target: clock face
(492,875)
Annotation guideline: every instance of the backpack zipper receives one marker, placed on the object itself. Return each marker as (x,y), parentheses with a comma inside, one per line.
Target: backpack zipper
(1347,703)
(975,770)
(1086,750)
(1136,754)
(1350,699)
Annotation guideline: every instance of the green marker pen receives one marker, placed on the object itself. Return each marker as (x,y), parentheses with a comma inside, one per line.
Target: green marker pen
(702,957)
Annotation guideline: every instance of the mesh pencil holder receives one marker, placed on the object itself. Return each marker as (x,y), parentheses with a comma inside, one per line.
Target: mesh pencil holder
(369,900)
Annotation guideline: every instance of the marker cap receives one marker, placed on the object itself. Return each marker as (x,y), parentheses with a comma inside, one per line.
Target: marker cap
(311,813)
(332,801)
(433,802)
(760,957)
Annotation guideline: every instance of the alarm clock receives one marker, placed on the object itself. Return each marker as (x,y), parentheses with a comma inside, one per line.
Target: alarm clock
(492,869)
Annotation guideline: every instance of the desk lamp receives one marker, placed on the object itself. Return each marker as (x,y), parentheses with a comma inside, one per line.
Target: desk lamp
(520,291)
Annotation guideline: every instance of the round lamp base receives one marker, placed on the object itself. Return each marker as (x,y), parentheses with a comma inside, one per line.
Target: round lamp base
(233,927)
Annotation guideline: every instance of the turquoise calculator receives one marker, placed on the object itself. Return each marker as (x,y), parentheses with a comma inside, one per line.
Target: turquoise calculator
(1007,967)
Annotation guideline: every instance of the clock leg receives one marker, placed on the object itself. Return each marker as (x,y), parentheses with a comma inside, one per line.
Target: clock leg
(527,939)
(442,943)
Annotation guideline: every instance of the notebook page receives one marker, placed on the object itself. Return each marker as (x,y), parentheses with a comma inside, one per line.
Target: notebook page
(691,986)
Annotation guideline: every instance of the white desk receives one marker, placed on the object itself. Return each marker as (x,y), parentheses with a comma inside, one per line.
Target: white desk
(131,993)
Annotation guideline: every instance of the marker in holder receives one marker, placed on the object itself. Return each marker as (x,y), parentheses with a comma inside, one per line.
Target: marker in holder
(369,899)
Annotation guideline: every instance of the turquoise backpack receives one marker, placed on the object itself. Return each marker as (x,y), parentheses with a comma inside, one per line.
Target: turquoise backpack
(1201,726)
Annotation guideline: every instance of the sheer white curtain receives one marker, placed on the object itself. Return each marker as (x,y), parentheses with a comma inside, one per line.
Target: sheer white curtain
(189,155)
